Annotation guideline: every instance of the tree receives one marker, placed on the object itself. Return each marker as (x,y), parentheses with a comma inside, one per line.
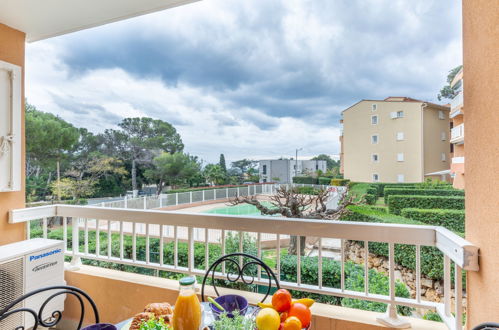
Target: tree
(215,174)
(139,138)
(290,203)
(330,163)
(448,92)
(243,165)
(222,163)
(173,169)
(81,182)
(49,140)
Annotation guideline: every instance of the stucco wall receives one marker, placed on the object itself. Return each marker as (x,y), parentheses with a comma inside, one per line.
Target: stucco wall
(481,72)
(357,147)
(12,51)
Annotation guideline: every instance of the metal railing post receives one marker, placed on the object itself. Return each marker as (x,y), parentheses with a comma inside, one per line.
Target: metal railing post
(160,201)
(176,198)
(126,201)
(145,203)
(75,246)
(203,194)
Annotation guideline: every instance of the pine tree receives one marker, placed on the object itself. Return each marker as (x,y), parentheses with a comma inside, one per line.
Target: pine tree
(222,163)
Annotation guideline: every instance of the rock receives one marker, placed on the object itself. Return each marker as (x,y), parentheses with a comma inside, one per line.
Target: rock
(426,282)
(398,276)
(376,262)
(431,295)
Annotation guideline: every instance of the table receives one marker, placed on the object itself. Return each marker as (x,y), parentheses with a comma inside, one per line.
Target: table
(208,317)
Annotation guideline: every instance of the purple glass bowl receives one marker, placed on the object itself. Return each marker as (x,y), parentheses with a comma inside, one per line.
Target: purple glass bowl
(101,326)
(230,303)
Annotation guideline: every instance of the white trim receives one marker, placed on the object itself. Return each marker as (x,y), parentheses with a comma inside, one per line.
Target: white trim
(400,136)
(458,160)
(377,139)
(400,157)
(377,119)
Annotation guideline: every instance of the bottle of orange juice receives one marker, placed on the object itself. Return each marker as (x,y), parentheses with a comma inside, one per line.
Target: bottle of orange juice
(187,311)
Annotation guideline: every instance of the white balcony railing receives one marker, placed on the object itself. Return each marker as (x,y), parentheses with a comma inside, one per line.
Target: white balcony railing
(457,134)
(456,102)
(458,160)
(175,227)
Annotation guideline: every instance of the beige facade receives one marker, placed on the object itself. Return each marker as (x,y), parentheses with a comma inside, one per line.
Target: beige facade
(397,139)
(457,132)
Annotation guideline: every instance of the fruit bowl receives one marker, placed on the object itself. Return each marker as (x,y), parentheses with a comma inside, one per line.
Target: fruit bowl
(230,303)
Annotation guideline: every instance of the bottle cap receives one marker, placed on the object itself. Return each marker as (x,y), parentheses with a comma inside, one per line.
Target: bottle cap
(189,280)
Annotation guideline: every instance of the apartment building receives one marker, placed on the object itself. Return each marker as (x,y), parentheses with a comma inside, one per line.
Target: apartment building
(398,139)
(283,170)
(457,132)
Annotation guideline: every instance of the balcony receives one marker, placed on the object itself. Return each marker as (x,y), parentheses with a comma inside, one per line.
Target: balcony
(111,227)
(456,103)
(457,134)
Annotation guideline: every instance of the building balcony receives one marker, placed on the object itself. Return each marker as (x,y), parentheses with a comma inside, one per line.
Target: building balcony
(120,295)
(457,134)
(457,102)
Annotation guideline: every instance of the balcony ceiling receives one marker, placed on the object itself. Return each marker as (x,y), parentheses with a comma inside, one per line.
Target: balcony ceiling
(42,19)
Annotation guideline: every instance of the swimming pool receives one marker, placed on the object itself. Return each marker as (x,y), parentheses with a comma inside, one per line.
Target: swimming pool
(241,209)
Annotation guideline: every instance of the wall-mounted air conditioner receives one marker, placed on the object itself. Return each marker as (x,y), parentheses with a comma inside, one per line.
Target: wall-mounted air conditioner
(10,127)
(26,266)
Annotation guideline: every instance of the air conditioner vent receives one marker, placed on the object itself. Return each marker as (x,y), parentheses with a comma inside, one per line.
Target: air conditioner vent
(11,288)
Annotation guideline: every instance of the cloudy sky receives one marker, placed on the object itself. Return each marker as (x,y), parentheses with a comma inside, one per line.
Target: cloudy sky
(250,79)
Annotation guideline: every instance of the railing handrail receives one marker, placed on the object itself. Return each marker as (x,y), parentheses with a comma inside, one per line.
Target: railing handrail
(462,252)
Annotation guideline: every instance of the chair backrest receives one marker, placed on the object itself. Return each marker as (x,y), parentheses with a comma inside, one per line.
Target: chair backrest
(236,259)
(487,326)
(56,315)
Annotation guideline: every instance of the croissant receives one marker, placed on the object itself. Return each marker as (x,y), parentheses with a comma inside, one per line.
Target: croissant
(159,309)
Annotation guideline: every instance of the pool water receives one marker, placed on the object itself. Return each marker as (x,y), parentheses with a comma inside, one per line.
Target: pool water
(241,209)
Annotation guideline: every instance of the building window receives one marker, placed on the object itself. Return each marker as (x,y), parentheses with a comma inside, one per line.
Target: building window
(375,178)
(400,178)
(374,139)
(400,114)
(316,167)
(264,169)
(441,114)
(374,107)
(375,158)
(443,136)
(443,156)
(400,157)
(374,120)
(400,136)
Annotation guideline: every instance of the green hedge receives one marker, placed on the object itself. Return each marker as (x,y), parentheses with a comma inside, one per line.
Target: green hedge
(397,202)
(340,182)
(381,186)
(405,255)
(305,180)
(423,192)
(331,277)
(450,219)
(370,199)
(307,190)
(372,191)
(324,180)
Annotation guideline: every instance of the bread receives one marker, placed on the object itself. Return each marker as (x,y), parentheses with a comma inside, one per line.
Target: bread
(139,318)
(159,309)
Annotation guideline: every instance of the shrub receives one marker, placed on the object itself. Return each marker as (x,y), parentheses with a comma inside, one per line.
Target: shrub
(381,186)
(339,182)
(398,202)
(423,192)
(450,219)
(370,199)
(324,180)
(307,190)
(372,191)
(434,184)
(305,180)
(354,280)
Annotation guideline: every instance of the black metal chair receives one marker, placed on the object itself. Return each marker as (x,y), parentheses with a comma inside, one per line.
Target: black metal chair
(234,259)
(487,326)
(56,315)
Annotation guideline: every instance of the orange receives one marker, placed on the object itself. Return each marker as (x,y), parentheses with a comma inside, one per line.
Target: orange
(281,300)
(292,323)
(302,312)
